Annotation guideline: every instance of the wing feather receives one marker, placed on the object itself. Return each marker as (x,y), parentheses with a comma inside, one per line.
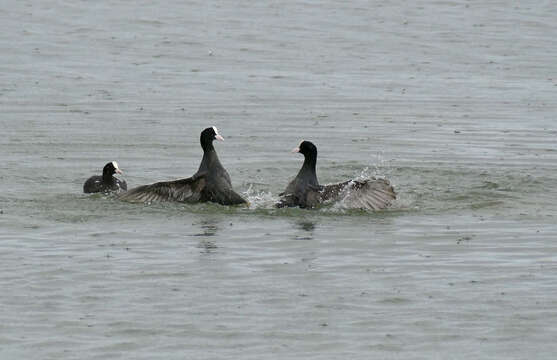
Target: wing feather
(372,194)
(183,190)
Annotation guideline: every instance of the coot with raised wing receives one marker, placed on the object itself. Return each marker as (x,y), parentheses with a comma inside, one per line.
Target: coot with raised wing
(304,191)
(211,182)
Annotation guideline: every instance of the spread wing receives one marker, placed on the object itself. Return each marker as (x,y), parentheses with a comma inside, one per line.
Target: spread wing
(372,194)
(184,190)
(123,184)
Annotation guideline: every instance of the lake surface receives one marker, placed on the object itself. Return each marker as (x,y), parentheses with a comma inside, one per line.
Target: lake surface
(453,101)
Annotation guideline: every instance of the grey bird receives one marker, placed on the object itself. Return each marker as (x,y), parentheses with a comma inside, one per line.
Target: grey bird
(306,192)
(210,183)
(107,182)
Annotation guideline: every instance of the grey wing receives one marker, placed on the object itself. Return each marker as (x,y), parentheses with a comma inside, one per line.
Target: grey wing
(372,194)
(183,190)
(123,185)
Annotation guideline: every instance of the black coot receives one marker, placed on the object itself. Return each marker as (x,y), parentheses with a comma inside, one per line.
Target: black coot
(304,191)
(107,182)
(211,182)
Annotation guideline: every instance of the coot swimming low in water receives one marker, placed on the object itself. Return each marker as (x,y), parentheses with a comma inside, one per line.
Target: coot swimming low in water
(304,191)
(107,182)
(211,182)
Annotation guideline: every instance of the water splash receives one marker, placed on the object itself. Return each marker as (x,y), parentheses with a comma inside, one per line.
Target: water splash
(380,169)
(259,199)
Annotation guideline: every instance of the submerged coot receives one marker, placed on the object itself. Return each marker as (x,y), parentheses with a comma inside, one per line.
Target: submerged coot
(304,191)
(106,182)
(211,182)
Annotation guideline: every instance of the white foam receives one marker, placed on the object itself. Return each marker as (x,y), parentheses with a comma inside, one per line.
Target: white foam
(260,199)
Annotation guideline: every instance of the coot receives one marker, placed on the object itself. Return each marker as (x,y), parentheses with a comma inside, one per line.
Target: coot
(211,182)
(304,191)
(107,182)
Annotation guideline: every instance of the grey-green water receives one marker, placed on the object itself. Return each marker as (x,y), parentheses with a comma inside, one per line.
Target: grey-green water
(453,101)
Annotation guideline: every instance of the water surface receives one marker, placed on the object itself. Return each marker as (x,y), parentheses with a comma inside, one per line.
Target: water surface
(453,101)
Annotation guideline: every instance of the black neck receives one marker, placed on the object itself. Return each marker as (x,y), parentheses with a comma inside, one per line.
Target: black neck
(308,169)
(108,178)
(210,158)
(207,145)
(310,162)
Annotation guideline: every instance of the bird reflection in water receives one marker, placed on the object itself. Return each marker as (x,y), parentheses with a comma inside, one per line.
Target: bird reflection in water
(307,226)
(209,228)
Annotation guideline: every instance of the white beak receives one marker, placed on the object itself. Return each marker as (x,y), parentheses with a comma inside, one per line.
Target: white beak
(217,135)
(116,168)
(296,150)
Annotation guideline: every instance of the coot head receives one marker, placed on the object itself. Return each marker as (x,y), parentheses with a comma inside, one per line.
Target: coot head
(111,168)
(306,148)
(208,135)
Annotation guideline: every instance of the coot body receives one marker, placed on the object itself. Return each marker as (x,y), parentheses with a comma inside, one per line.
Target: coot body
(106,182)
(211,182)
(306,192)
